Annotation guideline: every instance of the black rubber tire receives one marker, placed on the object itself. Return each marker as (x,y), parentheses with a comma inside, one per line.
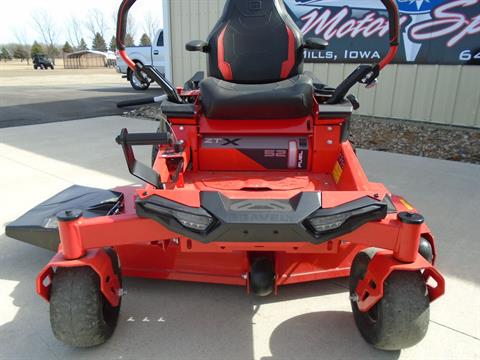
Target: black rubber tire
(162,127)
(80,315)
(135,86)
(400,319)
(425,249)
(35,67)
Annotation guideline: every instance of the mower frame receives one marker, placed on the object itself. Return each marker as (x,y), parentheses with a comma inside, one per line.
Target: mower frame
(200,218)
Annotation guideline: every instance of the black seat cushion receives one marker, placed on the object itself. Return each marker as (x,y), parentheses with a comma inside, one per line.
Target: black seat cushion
(286,99)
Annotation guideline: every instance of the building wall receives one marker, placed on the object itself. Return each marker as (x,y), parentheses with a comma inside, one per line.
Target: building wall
(434,93)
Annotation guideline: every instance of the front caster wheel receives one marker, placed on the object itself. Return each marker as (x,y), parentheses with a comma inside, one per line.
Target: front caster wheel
(80,315)
(400,319)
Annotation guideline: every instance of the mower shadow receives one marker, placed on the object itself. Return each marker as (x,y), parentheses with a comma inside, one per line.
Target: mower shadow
(327,334)
(45,107)
(57,111)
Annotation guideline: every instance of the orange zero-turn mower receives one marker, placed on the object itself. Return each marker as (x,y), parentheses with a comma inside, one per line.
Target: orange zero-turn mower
(253,182)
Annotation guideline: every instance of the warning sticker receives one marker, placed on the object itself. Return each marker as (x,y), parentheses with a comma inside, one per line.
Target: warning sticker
(406,204)
(338,168)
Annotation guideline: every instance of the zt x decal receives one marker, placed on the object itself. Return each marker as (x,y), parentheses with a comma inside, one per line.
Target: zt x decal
(222,141)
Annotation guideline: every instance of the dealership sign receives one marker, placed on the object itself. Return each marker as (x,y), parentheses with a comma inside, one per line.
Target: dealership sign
(432,31)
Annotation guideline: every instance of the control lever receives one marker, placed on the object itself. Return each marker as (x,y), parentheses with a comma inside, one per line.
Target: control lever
(353,100)
(155,75)
(364,74)
(142,101)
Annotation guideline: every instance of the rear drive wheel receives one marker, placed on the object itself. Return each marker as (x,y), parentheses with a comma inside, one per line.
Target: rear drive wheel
(400,319)
(80,315)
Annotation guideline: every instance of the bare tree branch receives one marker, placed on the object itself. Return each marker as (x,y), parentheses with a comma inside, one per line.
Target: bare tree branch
(131,26)
(74,31)
(96,23)
(21,36)
(151,26)
(45,26)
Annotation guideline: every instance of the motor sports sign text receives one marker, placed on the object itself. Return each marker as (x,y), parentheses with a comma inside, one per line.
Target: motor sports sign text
(432,31)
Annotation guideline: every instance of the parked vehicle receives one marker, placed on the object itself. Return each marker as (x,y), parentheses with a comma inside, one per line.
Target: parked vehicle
(41,61)
(153,55)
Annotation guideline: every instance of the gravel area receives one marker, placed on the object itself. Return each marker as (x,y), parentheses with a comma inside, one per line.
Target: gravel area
(416,138)
(400,136)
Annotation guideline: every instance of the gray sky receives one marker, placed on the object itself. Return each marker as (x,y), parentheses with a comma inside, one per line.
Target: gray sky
(16,16)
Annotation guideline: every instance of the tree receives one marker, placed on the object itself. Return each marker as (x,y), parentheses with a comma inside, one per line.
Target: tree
(82,45)
(129,40)
(151,25)
(74,32)
(131,31)
(46,28)
(145,40)
(99,43)
(96,23)
(53,52)
(67,48)
(113,44)
(20,53)
(21,36)
(36,49)
(5,55)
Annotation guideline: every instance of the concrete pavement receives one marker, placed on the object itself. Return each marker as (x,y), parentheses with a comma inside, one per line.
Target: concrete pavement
(175,320)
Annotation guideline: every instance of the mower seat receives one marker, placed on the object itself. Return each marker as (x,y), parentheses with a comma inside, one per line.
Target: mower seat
(255,64)
(286,99)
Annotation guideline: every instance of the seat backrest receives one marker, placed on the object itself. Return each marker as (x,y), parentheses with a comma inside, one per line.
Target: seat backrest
(255,42)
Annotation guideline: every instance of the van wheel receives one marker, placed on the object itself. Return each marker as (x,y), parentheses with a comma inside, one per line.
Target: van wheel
(136,83)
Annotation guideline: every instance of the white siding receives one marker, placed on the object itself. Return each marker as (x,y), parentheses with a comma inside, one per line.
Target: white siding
(432,93)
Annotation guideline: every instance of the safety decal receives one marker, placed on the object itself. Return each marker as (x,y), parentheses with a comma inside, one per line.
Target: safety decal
(338,168)
(406,204)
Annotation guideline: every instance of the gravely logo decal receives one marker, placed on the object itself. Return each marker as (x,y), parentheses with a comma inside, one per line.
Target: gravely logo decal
(433,31)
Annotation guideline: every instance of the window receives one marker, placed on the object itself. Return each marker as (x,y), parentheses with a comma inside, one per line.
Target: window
(160,39)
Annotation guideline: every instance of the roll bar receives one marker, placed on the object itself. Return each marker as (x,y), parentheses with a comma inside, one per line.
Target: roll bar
(393,29)
(122,31)
(367,74)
